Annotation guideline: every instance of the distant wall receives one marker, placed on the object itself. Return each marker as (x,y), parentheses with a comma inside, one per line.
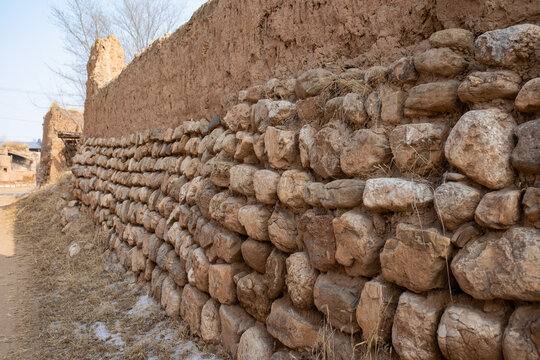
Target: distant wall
(229,45)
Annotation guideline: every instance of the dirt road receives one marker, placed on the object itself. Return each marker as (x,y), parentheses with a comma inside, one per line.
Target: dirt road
(12,272)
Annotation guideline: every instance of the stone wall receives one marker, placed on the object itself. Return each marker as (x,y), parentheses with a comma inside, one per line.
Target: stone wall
(392,205)
(54,157)
(230,45)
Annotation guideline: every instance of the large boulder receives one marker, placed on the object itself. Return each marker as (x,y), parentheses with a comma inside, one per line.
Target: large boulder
(327,147)
(255,253)
(318,238)
(241,180)
(457,39)
(255,218)
(238,117)
(501,266)
(306,139)
(251,291)
(221,285)
(255,344)
(466,331)
(290,187)
(294,328)
(281,147)
(336,296)
(275,272)
(193,301)
(521,339)
(485,86)
(499,209)
(282,230)
(300,280)
(528,99)
(210,322)
(224,209)
(432,98)
(414,332)
(418,148)
(417,258)
(508,47)
(376,309)
(228,246)
(455,203)
(526,154)
(440,61)
(480,145)
(234,321)
(265,183)
(363,151)
(392,194)
(357,244)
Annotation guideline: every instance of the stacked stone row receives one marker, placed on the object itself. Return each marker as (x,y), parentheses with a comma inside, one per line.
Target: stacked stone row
(388,205)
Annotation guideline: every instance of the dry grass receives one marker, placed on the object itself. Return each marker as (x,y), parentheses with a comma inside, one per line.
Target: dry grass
(69,300)
(14,145)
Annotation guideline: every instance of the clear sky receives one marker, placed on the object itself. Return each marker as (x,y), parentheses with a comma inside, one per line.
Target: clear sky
(30,43)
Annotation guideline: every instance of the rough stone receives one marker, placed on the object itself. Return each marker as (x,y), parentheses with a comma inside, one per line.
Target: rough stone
(392,107)
(282,230)
(317,233)
(274,275)
(238,117)
(224,209)
(306,139)
(520,339)
(210,322)
(394,194)
(311,108)
(432,98)
(345,193)
(255,254)
(485,86)
(234,321)
(353,109)
(457,39)
(221,281)
(255,344)
(455,203)
(363,152)
(357,244)
(290,187)
(375,311)
(526,154)
(251,291)
(336,296)
(440,61)
(204,195)
(414,332)
(193,301)
(499,209)
(220,175)
(327,147)
(528,98)
(294,328)
(300,280)
(255,218)
(227,245)
(312,82)
(200,265)
(376,75)
(372,105)
(265,183)
(467,332)
(480,145)
(403,70)
(531,207)
(242,179)
(417,258)
(418,148)
(506,267)
(281,147)
(507,47)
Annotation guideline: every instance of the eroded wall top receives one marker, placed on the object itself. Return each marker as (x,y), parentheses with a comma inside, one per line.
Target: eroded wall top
(229,45)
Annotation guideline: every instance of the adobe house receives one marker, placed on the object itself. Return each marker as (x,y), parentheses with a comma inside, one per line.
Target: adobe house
(61,129)
(5,165)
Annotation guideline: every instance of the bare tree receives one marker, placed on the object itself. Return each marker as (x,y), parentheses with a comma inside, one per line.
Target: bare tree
(136,23)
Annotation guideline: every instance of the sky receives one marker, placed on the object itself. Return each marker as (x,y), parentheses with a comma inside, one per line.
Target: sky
(31,44)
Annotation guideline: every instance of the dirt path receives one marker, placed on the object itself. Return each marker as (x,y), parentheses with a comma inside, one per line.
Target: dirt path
(12,276)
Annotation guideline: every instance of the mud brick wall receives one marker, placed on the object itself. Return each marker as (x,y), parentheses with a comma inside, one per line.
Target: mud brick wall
(393,205)
(227,46)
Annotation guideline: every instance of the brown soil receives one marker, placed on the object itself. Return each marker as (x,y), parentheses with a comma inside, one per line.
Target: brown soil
(56,307)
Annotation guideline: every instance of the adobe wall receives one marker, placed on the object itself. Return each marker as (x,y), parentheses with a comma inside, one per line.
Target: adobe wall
(393,207)
(54,157)
(197,71)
